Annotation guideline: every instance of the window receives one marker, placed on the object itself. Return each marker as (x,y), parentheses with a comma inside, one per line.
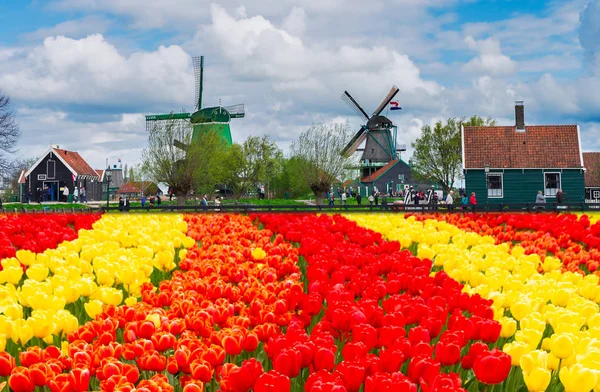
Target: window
(51,169)
(401,177)
(494,185)
(41,177)
(551,184)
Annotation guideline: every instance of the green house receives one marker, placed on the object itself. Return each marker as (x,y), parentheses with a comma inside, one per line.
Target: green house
(510,164)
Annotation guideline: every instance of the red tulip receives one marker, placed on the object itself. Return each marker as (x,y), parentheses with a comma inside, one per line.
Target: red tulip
(7,364)
(152,361)
(448,353)
(201,370)
(20,380)
(193,387)
(79,379)
(288,362)
(233,344)
(493,367)
(272,382)
(243,378)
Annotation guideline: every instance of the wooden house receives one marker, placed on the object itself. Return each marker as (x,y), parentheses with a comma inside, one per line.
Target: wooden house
(510,164)
(591,160)
(57,169)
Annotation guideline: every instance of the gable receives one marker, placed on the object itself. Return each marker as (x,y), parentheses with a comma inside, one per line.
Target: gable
(551,146)
(591,161)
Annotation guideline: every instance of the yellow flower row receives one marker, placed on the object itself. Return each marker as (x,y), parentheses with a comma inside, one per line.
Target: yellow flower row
(550,320)
(119,253)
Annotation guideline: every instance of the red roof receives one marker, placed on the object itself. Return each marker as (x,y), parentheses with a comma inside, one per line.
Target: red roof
(379,172)
(76,162)
(547,146)
(591,161)
(100,173)
(135,187)
(22,178)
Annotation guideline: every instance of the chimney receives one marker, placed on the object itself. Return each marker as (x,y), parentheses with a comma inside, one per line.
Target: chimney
(520,116)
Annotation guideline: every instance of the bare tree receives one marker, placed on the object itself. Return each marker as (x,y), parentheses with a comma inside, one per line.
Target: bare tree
(319,148)
(173,158)
(9,132)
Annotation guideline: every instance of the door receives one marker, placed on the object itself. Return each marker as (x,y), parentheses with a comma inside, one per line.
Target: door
(53,190)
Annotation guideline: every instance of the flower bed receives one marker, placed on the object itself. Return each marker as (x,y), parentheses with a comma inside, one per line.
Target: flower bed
(302,303)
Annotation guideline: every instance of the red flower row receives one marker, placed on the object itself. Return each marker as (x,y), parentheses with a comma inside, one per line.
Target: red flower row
(40,232)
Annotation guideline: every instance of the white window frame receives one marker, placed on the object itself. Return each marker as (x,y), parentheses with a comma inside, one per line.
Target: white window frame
(497,174)
(41,177)
(547,191)
(48,169)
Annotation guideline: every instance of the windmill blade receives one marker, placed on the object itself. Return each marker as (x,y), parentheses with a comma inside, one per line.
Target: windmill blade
(393,91)
(236,111)
(356,141)
(199,76)
(180,145)
(346,97)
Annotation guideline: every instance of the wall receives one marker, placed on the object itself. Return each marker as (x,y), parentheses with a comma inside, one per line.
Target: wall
(521,186)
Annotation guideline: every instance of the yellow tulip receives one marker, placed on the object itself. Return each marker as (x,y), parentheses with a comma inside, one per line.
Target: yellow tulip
(538,380)
(37,272)
(2,343)
(533,360)
(26,257)
(577,378)
(258,254)
(520,309)
(516,350)
(93,308)
(130,301)
(562,346)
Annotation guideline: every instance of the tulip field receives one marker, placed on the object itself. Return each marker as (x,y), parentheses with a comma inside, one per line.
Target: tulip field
(300,302)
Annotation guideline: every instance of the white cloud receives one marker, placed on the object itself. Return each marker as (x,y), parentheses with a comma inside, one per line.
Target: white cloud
(490,61)
(92,71)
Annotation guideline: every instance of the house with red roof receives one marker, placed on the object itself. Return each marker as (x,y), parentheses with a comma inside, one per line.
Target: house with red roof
(591,160)
(58,169)
(510,164)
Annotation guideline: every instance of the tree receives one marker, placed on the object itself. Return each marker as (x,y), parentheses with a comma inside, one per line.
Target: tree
(9,132)
(250,164)
(181,168)
(14,172)
(131,176)
(319,151)
(126,177)
(438,152)
(289,179)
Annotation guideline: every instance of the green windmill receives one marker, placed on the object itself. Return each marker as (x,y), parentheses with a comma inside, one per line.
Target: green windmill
(215,118)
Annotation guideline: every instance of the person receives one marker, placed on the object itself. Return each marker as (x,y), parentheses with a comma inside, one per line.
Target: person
(151,201)
(121,203)
(75,194)
(170,194)
(28,197)
(377,198)
(560,196)
(143,200)
(204,202)
(371,199)
(464,201)
(473,201)
(358,198)
(343,198)
(65,193)
(83,195)
(0,203)
(158,199)
(331,199)
(450,200)
(218,203)
(126,204)
(539,199)
(384,201)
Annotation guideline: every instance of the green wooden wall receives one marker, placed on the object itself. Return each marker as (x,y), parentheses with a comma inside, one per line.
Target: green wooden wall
(521,186)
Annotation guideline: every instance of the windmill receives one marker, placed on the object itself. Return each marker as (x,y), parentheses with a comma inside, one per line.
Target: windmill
(206,119)
(379,133)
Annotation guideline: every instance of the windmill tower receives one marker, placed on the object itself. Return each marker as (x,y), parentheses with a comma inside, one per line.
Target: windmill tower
(378,133)
(215,118)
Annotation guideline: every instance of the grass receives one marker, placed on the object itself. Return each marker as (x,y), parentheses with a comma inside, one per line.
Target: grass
(39,207)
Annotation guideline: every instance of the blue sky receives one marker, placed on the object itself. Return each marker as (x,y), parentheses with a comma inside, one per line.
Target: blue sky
(82,73)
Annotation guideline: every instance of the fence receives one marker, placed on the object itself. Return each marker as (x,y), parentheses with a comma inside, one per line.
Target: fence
(421,208)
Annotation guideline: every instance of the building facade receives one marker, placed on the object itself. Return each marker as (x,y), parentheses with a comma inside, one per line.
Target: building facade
(591,160)
(56,170)
(510,164)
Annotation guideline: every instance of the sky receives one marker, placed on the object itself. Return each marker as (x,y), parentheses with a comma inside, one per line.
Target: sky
(83,73)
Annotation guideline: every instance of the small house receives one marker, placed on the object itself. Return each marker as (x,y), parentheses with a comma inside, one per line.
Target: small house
(136,189)
(116,181)
(58,169)
(395,176)
(510,164)
(591,160)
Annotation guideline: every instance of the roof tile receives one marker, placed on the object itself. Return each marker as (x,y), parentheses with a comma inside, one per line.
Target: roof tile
(591,161)
(547,146)
(76,162)
(379,172)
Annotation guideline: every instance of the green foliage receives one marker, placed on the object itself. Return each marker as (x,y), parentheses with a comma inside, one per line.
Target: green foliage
(250,164)
(438,152)
(289,180)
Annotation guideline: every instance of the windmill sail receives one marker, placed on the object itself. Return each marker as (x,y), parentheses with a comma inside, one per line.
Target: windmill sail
(346,97)
(236,111)
(393,91)
(199,76)
(356,141)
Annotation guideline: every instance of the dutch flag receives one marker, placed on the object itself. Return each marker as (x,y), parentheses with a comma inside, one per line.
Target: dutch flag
(395,106)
